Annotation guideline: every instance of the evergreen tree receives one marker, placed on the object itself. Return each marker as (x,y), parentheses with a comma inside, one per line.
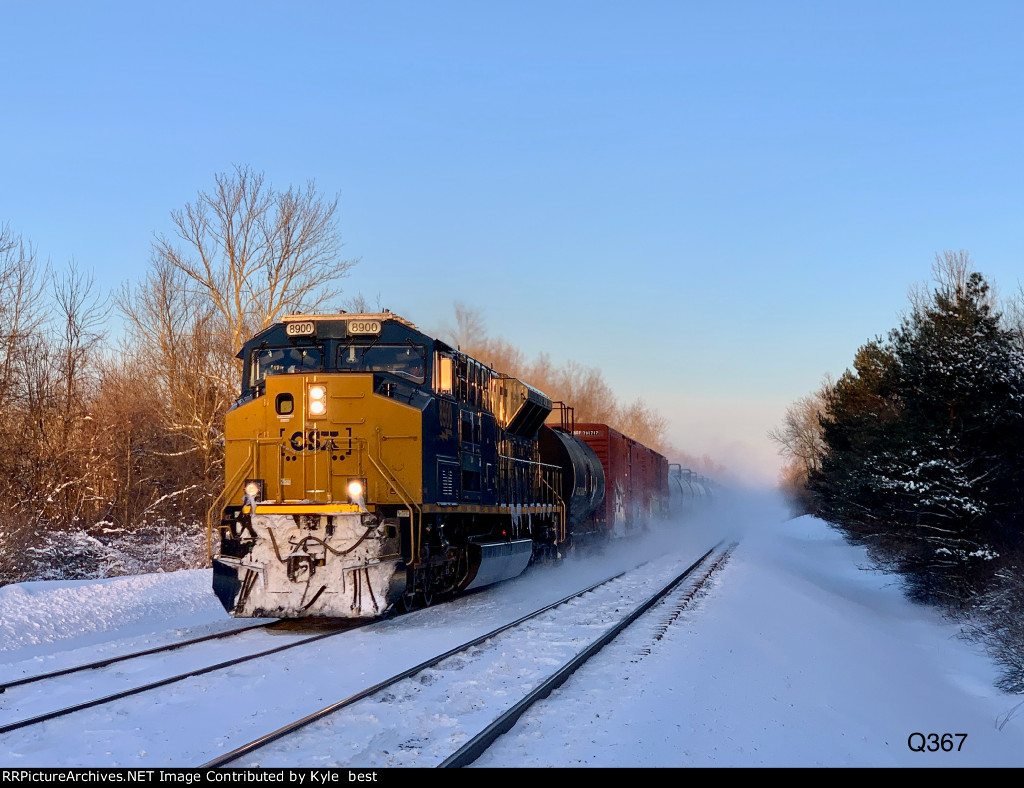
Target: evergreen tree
(963,392)
(923,443)
(860,415)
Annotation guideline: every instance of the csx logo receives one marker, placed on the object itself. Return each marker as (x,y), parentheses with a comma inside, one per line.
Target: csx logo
(314,440)
(445,415)
(446,418)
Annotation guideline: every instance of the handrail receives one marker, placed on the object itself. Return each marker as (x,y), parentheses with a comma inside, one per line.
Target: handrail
(218,502)
(561,505)
(415,510)
(529,462)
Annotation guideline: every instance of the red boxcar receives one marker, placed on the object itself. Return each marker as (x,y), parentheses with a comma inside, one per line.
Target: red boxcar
(636,479)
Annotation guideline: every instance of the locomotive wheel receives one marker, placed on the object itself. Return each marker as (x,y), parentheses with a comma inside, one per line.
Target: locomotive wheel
(410,601)
(406,602)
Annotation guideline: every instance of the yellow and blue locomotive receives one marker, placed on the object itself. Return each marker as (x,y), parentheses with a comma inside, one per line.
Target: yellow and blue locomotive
(369,465)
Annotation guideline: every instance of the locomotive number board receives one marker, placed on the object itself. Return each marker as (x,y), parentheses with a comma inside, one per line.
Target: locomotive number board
(363,327)
(304,328)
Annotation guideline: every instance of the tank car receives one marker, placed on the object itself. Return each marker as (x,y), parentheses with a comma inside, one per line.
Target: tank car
(368,466)
(688,490)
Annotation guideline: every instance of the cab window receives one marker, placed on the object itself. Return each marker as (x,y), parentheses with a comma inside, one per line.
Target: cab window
(443,374)
(284,360)
(404,361)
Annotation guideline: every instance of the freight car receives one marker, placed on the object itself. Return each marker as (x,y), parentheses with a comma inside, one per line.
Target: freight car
(635,480)
(369,466)
(688,491)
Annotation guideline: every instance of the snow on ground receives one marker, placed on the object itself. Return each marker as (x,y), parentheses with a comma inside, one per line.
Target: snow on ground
(799,655)
(45,612)
(43,620)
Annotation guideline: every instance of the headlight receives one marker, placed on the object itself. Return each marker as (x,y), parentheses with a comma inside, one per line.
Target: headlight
(356,490)
(317,400)
(253,492)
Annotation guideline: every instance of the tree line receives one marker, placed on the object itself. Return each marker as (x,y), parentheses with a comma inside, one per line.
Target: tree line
(111,448)
(577,385)
(917,453)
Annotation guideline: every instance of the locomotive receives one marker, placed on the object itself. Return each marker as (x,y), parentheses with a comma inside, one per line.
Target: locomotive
(371,467)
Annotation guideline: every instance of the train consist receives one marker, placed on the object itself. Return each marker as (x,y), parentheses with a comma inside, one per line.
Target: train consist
(688,491)
(369,466)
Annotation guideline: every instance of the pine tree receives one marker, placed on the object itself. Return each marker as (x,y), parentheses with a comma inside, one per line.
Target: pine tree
(858,421)
(963,401)
(923,443)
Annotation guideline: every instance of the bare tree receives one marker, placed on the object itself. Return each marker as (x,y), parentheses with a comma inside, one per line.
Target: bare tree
(642,423)
(581,387)
(21,339)
(173,334)
(801,443)
(254,253)
(585,389)
(21,320)
(154,489)
(470,332)
(470,336)
(80,317)
(504,357)
(241,256)
(800,437)
(360,303)
(51,467)
(64,409)
(950,273)
(21,313)
(1013,317)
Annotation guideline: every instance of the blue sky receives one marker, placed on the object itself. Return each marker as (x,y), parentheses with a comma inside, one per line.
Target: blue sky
(715,203)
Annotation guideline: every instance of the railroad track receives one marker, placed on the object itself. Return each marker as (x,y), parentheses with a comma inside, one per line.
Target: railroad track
(102,663)
(422,693)
(36,719)
(138,689)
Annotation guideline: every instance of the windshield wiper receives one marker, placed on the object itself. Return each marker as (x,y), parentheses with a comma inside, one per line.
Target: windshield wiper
(420,350)
(362,356)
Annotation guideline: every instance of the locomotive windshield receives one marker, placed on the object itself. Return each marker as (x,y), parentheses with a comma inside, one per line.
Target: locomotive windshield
(407,361)
(283,360)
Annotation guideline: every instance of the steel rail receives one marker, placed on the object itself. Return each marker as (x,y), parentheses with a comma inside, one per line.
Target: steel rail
(110,661)
(477,745)
(256,744)
(162,683)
